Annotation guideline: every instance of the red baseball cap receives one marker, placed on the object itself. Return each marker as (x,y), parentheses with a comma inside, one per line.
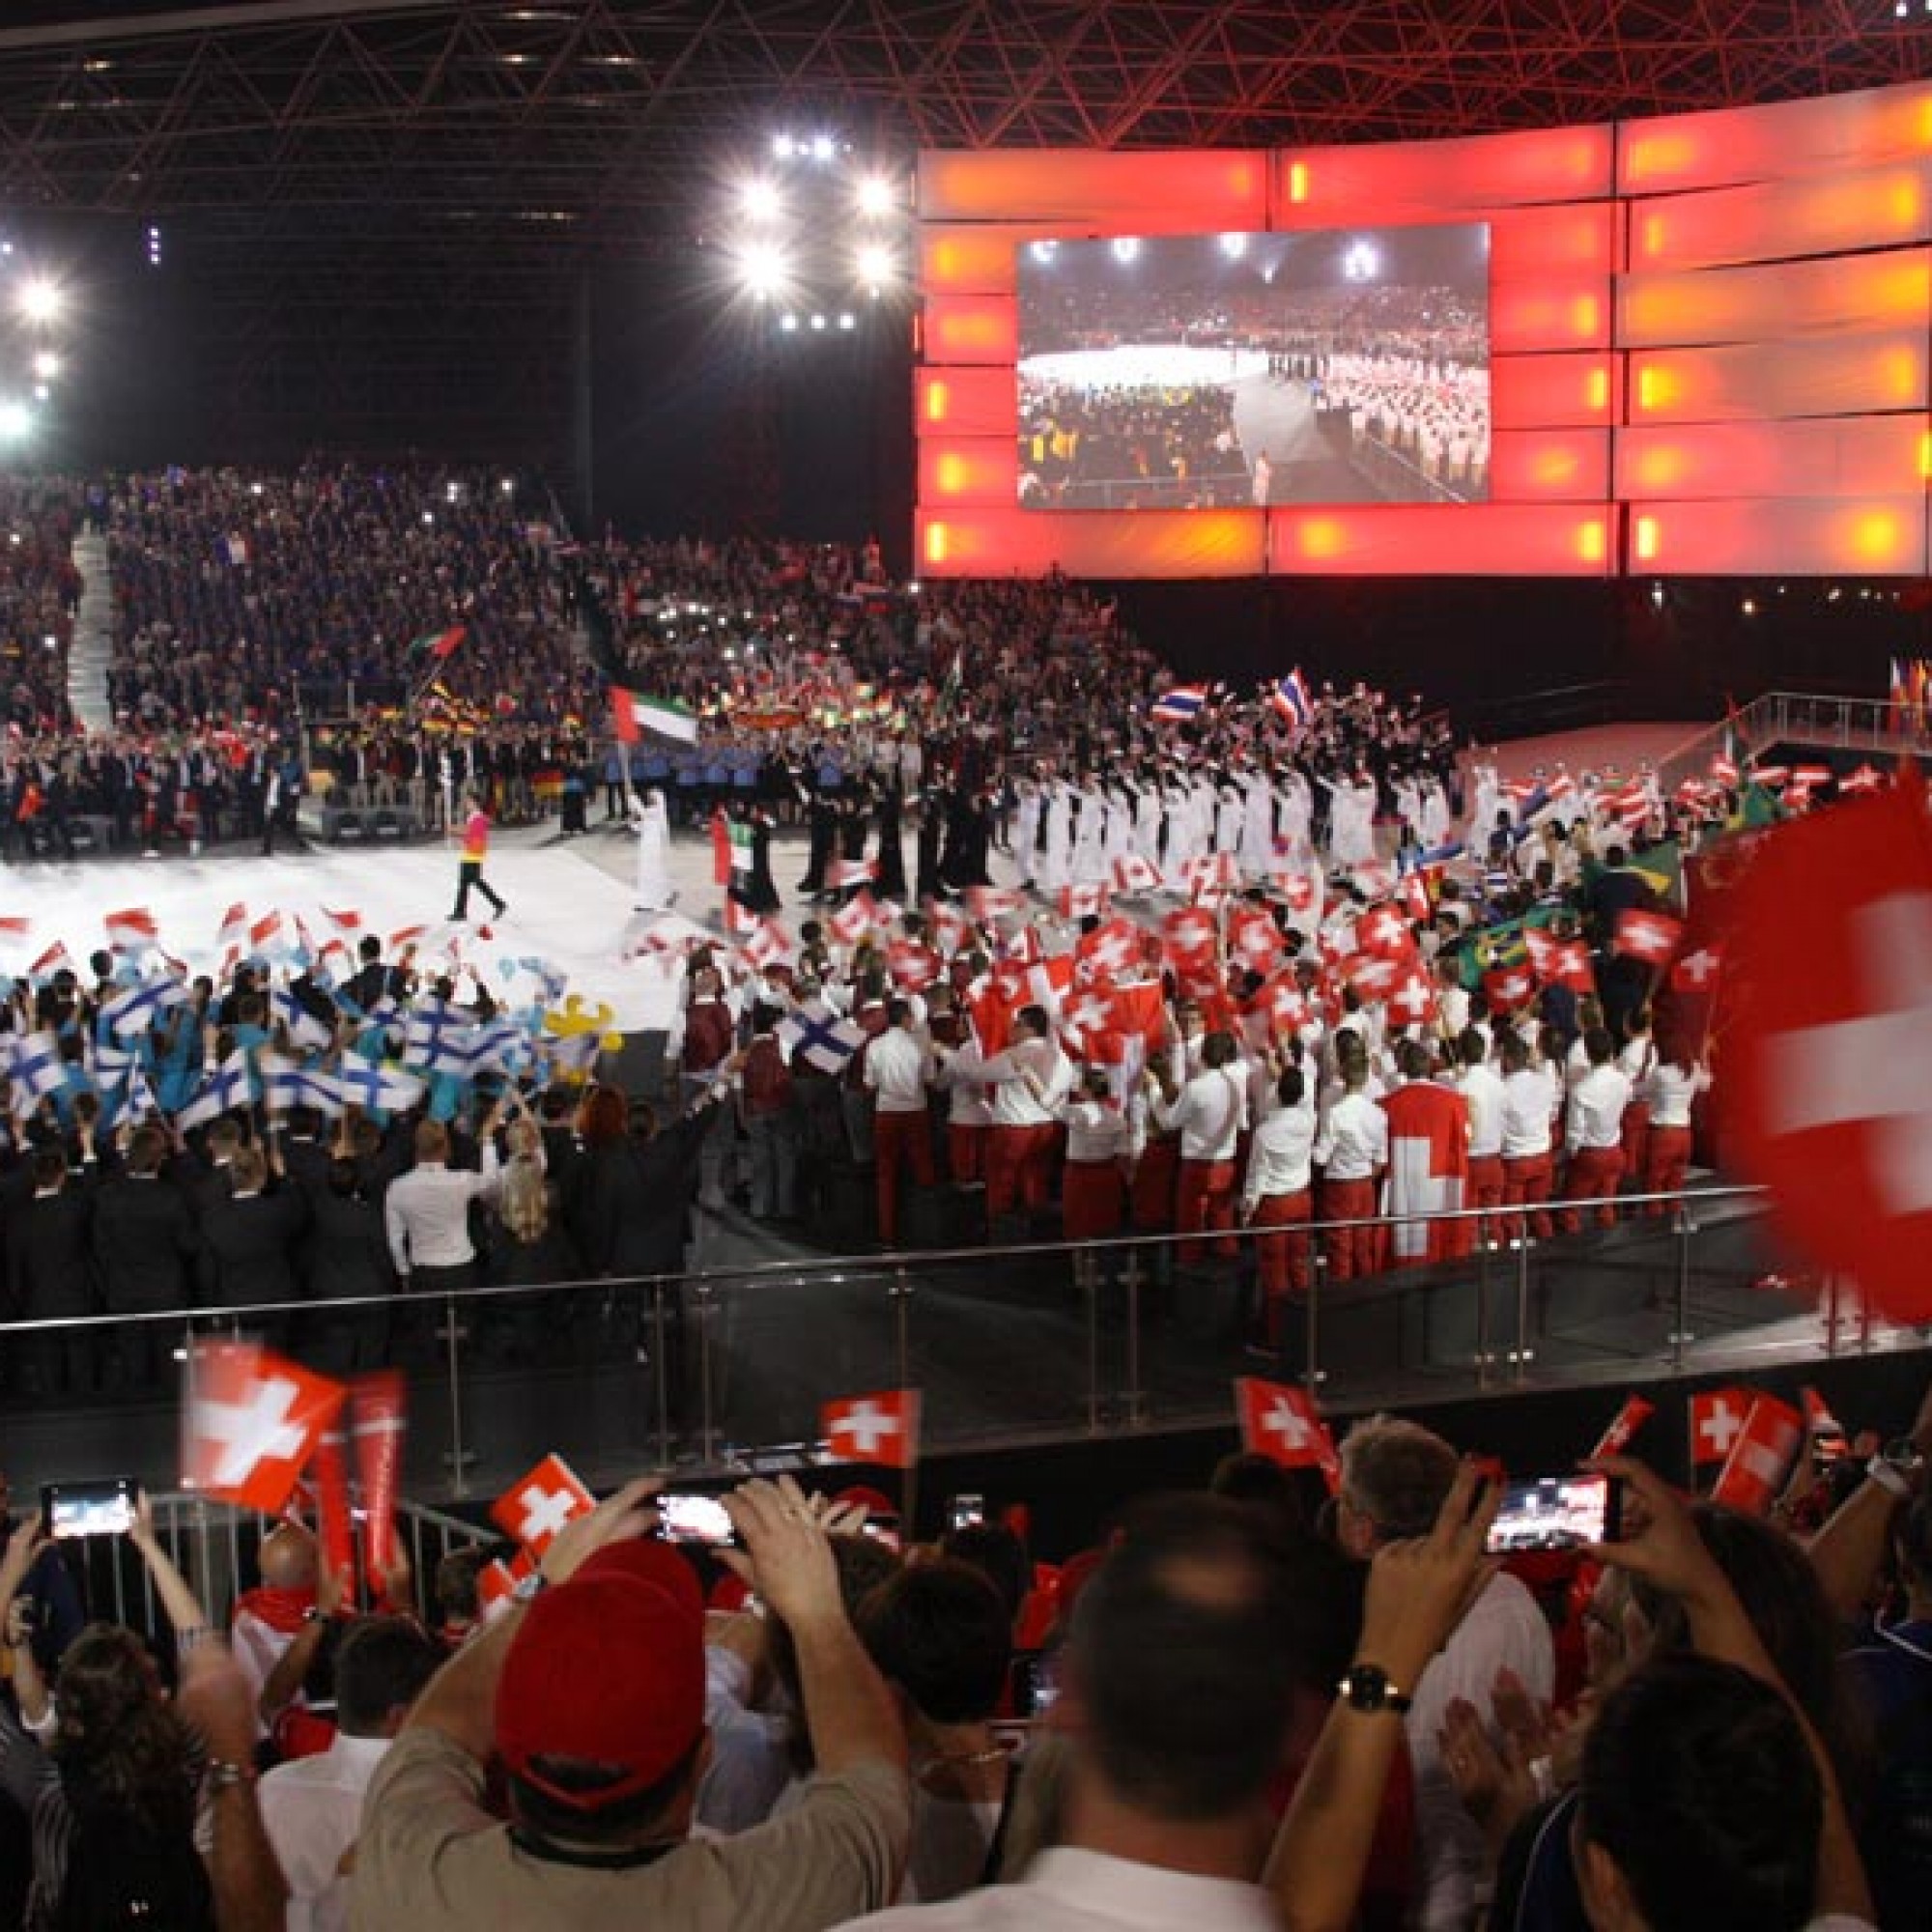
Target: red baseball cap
(607,1667)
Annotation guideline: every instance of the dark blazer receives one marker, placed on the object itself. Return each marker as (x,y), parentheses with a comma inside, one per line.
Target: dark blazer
(633,1201)
(144,1243)
(49,1267)
(346,1253)
(248,1248)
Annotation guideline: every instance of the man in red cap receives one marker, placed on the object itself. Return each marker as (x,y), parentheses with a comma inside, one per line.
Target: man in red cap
(590,1689)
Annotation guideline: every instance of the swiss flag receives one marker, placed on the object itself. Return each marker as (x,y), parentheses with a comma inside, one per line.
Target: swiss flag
(1139,1011)
(1297,889)
(1569,965)
(250,1422)
(1411,999)
(1697,972)
(1191,934)
(496,1580)
(1754,1471)
(1283,1423)
(1383,931)
(1649,936)
(986,902)
(1282,1004)
(1508,988)
(1427,1165)
(1108,951)
(1625,1424)
(1371,976)
(882,1428)
(1717,1421)
(912,965)
(1257,939)
(535,1507)
(1085,1022)
(1866,779)
(1828,1053)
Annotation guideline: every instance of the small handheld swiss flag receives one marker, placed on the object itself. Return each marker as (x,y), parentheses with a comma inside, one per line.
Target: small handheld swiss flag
(881,1428)
(250,1422)
(1625,1424)
(1717,1419)
(534,1509)
(1283,1423)
(1649,936)
(1757,1466)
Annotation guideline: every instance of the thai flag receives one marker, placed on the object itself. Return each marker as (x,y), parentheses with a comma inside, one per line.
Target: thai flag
(1181,705)
(1291,700)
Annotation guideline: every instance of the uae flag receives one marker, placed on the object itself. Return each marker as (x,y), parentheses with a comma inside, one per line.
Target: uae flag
(635,714)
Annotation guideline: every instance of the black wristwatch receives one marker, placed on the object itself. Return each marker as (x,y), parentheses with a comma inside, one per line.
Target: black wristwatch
(1367,1687)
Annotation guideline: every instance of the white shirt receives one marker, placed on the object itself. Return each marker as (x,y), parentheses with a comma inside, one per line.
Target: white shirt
(312,1811)
(1066,1889)
(896,1066)
(1014,1102)
(1482,1089)
(1529,1101)
(1354,1142)
(1279,1155)
(1595,1114)
(426,1212)
(1095,1131)
(1209,1113)
(1504,1629)
(1670,1091)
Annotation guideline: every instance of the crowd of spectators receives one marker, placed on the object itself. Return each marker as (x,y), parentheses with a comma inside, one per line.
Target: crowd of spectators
(1250,1705)
(40,589)
(1127,447)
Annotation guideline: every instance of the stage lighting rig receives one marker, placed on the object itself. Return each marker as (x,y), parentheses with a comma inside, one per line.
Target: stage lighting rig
(815,232)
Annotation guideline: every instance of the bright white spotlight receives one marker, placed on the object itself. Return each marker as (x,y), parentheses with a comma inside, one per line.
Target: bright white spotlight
(875,197)
(40,302)
(847,320)
(1044,250)
(16,419)
(509,486)
(783,147)
(875,265)
(1363,262)
(42,393)
(46,366)
(758,199)
(1126,248)
(788,321)
(818,322)
(823,147)
(1233,246)
(763,269)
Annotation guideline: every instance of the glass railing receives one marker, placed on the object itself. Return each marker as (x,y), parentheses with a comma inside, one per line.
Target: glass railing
(1008,1345)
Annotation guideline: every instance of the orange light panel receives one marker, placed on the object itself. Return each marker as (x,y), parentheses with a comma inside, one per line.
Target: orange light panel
(1405,180)
(1780,220)
(1218,187)
(992,541)
(1853,376)
(971,329)
(1476,540)
(1798,538)
(1775,302)
(1821,456)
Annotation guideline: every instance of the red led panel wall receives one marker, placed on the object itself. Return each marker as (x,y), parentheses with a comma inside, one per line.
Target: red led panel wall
(1709,343)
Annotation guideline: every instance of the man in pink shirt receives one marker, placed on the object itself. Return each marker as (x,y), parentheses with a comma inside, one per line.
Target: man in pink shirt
(476,849)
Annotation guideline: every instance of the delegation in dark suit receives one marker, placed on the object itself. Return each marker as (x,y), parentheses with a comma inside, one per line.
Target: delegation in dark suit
(49,1275)
(144,1248)
(346,1257)
(248,1255)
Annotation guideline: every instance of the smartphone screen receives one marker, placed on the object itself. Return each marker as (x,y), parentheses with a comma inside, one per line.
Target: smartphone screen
(693,1518)
(965,1511)
(1554,1513)
(104,1508)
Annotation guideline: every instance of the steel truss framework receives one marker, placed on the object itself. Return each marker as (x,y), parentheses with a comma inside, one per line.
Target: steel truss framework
(447,168)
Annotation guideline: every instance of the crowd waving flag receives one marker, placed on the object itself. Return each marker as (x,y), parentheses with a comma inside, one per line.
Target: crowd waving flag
(535,1507)
(250,1423)
(633,713)
(881,1428)
(1283,1422)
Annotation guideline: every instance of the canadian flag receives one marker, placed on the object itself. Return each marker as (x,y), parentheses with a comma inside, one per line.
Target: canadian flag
(986,902)
(1133,874)
(853,921)
(1625,1424)
(1755,1468)
(535,1507)
(1649,936)
(1283,1423)
(769,946)
(843,872)
(131,929)
(250,1421)
(1717,1420)
(882,1428)
(1211,872)
(1082,902)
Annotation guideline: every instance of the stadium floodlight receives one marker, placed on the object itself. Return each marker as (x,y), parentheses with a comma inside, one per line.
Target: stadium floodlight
(875,265)
(783,147)
(1363,262)
(509,486)
(1044,250)
(788,321)
(762,269)
(1126,248)
(1233,246)
(818,322)
(876,197)
(823,148)
(16,420)
(46,366)
(759,200)
(41,301)
(847,320)
(42,393)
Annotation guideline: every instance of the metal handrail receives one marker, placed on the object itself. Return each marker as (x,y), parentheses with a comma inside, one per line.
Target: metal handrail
(838,1268)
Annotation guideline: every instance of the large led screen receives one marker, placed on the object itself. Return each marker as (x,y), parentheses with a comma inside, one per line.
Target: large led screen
(1199,372)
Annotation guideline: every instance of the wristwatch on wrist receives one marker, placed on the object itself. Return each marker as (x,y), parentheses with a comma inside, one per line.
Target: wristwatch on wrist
(1897,1467)
(527,1589)
(1367,1687)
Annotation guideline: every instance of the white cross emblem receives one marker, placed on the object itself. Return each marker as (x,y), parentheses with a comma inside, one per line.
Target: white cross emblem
(867,1424)
(1878,1067)
(253,1431)
(1700,967)
(1284,1420)
(545,1512)
(1413,1187)
(1413,996)
(1720,1425)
